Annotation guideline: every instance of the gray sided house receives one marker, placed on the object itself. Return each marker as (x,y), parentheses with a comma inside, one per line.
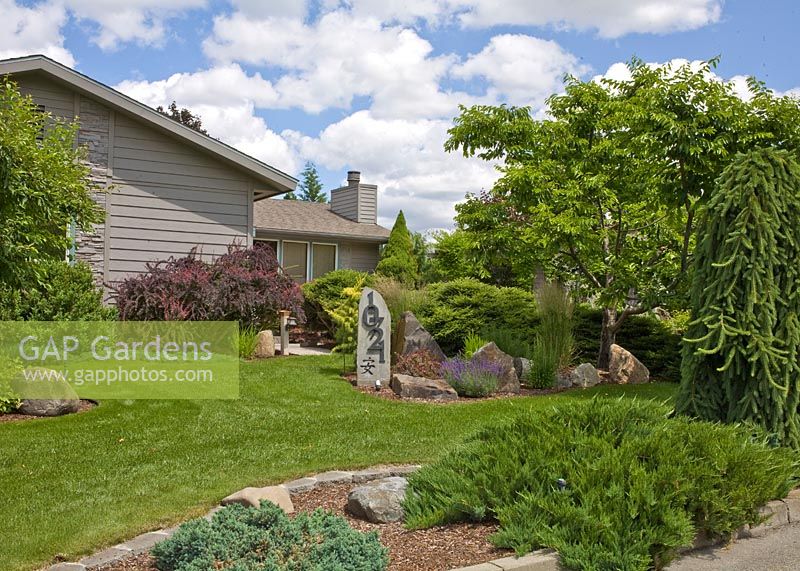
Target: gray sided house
(312,239)
(172,189)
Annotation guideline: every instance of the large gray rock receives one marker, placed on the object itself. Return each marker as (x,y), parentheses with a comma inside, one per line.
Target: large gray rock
(584,376)
(624,368)
(509,381)
(407,386)
(265,347)
(410,336)
(523,368)
(380,501)
(54,395)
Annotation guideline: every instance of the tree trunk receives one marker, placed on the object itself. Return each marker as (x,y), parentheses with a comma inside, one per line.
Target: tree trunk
(608,336)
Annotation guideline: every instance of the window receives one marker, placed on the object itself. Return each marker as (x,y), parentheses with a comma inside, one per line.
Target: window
(295,260)
(323,258)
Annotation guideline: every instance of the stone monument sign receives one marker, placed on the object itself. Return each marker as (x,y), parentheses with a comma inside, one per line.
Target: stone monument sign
(373,354)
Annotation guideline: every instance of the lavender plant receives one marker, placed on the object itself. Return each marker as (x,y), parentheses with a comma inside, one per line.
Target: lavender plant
(471,378)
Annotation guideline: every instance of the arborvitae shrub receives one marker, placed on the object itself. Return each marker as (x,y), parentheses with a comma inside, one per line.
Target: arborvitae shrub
(397,259)
(740,358)
(266,539)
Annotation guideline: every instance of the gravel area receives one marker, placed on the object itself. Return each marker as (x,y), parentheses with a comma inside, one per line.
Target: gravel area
(436,549)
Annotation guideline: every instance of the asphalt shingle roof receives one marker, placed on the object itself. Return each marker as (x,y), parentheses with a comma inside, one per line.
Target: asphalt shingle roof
(301,217)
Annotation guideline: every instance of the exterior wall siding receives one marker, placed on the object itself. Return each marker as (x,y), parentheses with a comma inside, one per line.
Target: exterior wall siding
(164,197)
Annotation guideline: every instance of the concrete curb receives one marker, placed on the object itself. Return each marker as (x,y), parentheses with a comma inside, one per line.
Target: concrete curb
(145,541)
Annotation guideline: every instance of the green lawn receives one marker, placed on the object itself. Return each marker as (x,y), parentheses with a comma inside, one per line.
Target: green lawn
(74,484)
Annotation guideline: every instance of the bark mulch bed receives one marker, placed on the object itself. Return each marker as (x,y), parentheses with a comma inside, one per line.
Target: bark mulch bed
(435,549)
(85,405)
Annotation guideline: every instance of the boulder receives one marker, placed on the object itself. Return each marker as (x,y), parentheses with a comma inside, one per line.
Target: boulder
(508,381)
(53,395)
(251,497)
(411,336)
(523,368)
(564,380)
(584,376)
(407,387)
(624,368)
(266,345)
(380,501)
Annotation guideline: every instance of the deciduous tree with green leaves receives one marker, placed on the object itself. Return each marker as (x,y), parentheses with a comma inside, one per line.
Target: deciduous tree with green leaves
(741,358)
(397,259)
(44,187)
(603,192)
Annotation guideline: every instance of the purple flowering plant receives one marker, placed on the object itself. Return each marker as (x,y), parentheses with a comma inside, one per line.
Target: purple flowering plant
(473,377)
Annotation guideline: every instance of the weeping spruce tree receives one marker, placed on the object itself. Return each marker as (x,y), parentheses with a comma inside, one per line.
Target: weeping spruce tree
(740,359)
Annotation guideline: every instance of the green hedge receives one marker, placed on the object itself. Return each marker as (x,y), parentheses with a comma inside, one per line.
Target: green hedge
(608,483)
(651,340)
(457,308)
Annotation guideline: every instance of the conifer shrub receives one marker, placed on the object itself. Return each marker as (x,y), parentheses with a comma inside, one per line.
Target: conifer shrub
(453,310)
(326,290)
(266,539)
(397,259)
(609,484)
(741,356)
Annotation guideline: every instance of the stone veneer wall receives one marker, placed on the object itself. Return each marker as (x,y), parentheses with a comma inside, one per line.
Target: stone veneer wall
(94,135)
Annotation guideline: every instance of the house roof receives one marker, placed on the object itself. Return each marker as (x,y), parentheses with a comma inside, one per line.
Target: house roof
(301,218)
(272,180)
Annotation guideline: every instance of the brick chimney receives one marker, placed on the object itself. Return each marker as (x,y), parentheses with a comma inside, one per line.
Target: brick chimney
(357,202)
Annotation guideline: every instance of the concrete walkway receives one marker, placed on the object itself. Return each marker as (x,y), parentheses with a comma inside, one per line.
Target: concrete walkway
(778,550)
(296,349)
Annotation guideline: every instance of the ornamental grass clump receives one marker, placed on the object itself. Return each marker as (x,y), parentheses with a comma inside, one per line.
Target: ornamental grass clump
(610,484)
(472,378)
(266,539)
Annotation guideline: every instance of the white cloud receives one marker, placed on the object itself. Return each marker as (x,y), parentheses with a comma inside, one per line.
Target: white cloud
(141,21)
(521,70)
(610,18)
(225,98)
(405,158)
(272,9)
(33,30)
(340,57)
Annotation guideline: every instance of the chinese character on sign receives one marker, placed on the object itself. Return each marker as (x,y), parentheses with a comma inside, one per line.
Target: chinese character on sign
(368,365)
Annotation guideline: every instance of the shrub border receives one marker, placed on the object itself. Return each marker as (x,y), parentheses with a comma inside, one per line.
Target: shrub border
(774,514)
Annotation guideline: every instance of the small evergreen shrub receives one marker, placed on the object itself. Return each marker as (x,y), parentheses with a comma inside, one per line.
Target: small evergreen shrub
(655,342)
(343,313)
(638,485)
(473,377)
(419,363)
(397,259)
(472,343)
(9,402)
(454,309)
(244,285)
(65,293)
(266,539)
(325,291)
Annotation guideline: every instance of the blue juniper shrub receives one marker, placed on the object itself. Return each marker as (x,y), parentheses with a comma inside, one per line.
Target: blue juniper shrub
(473,377)
(266,539)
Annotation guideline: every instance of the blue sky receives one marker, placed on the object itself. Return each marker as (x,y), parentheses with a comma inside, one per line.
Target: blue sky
(373,85)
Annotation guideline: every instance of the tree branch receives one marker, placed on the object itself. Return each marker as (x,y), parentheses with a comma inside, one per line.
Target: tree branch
(574,255)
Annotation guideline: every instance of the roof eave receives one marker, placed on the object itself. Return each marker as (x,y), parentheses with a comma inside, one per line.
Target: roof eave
(276,182)
(322,235)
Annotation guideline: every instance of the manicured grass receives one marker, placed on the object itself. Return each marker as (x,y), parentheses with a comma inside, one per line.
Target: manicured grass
(74,484)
